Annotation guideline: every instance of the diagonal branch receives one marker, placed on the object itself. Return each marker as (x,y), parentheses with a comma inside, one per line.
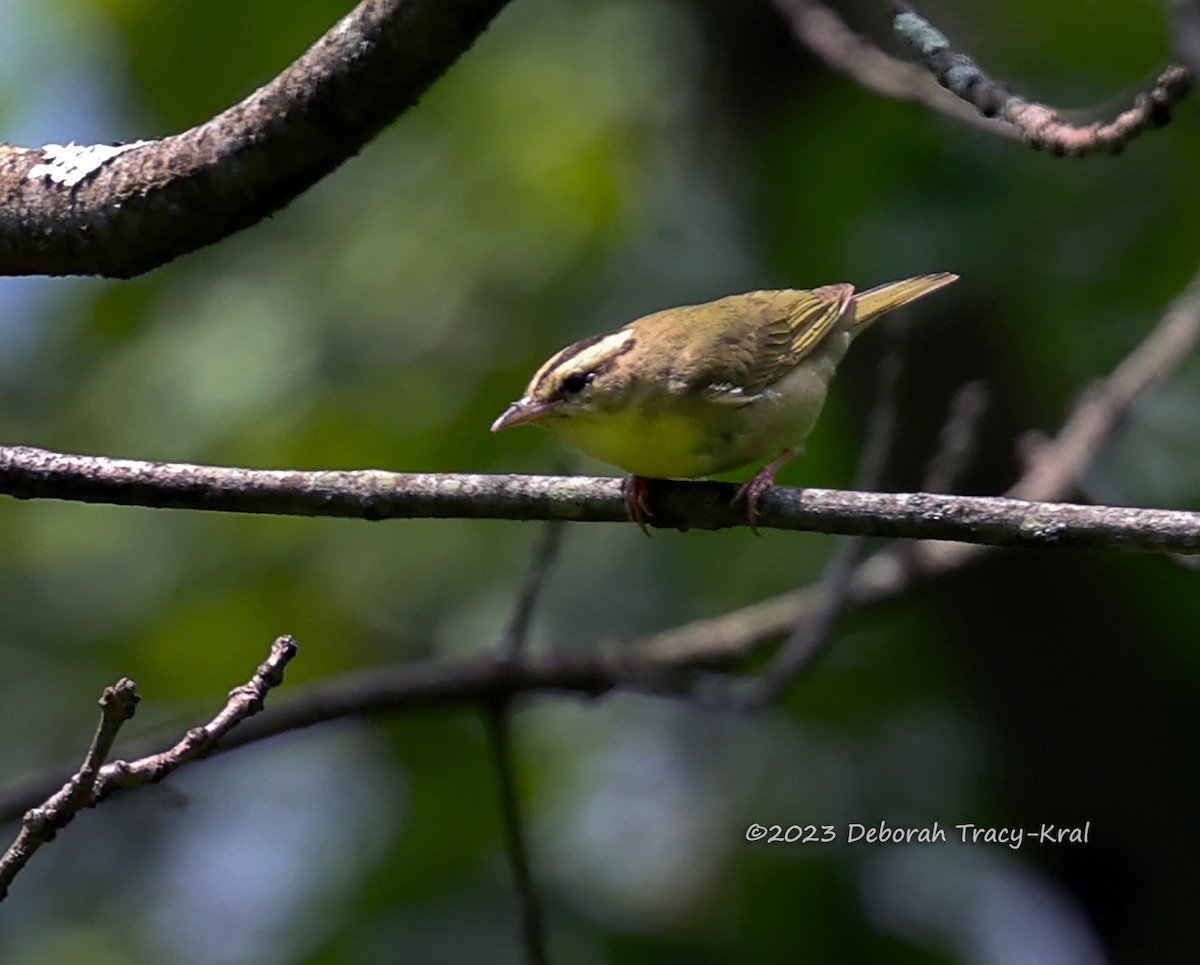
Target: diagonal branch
(545,552)
(120,212)
(95,780)
(434,683)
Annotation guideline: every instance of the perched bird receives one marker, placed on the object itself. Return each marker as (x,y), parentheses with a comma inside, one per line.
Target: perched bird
(702,389)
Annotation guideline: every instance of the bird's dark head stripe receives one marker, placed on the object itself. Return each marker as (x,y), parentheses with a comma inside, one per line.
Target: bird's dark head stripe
(594,355)
(565,355)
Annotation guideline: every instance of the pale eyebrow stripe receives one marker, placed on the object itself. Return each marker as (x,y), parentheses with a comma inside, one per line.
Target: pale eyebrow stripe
(587,354)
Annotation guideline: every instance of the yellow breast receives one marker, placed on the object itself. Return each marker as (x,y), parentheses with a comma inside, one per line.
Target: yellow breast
(662,444)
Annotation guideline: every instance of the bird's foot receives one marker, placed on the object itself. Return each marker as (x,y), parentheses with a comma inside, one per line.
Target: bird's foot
(759,483)
(636,492)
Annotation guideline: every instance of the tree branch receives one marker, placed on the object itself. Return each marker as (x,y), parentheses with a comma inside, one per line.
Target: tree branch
(437,682)
(120,212)
(966,93)
(375,494)
(1041,127)
(829,37)
(95,780)
(533,929)
(956,442)
(498,723)
(545,552)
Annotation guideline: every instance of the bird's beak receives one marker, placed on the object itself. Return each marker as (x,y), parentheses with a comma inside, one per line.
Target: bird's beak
(522,412)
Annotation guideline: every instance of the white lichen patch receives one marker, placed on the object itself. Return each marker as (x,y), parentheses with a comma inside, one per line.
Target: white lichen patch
(71,163)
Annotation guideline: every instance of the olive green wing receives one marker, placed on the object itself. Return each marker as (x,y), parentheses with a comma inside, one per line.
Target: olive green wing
(764,335)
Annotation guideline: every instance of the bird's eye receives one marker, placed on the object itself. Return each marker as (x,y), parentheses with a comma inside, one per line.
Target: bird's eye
(576,382)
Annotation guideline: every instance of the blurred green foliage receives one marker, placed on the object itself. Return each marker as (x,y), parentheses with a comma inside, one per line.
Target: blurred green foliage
(589,161)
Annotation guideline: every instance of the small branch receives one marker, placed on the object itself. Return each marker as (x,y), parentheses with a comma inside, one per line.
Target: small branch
(244,702)
(532,928)
(435,683)
(827,35)
(118,212)
(117,705)
(499,730)
(1057,465)
(544,555)
(95,780)
(374,494)
(41,824)
(956,443)
(1041,127)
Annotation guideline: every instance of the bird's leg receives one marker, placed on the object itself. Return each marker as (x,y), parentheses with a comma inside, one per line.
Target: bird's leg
(762,480)
(636,492)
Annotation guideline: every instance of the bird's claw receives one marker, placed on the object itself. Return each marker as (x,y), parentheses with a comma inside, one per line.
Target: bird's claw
(636,493)
(753,489)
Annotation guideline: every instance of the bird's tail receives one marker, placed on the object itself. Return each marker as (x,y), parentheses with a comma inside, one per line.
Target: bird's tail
(869,305)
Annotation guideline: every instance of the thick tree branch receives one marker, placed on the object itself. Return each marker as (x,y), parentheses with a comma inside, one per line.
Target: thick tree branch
(374,494)
(95,780)
(96,211)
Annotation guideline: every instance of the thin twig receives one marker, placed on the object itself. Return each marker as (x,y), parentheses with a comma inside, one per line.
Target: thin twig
(118,704)
(432,683)
(1041,126)
(956,442)
(544,554)
(509,650)
(1057,465)
(243,702)
(41,824)
(533,930)
(95,780)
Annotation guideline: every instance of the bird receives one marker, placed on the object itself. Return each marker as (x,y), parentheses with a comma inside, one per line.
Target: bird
(698,390)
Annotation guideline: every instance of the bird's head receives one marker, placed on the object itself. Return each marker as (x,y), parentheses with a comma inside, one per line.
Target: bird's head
(591,377)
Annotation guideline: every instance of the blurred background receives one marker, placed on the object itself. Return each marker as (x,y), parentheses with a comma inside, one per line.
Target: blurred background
(587,162)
